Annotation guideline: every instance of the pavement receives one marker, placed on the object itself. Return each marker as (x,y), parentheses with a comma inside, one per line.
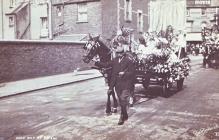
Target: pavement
(24,86)
(29,85)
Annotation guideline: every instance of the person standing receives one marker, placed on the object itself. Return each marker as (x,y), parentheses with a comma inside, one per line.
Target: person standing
(123,71)
(169,34)
(124,39)
(142,46)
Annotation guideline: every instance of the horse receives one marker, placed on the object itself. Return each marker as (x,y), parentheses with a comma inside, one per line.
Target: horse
(96,48)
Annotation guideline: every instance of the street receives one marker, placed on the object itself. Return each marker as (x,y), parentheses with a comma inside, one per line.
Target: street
(54,55)
(76,112)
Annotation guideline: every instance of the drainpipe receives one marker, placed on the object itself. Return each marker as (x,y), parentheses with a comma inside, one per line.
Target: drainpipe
(50,19)
(2,28)
(118,16)
(149,13)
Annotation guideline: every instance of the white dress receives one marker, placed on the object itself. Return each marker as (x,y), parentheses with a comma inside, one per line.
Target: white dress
(141,49)
(152,46)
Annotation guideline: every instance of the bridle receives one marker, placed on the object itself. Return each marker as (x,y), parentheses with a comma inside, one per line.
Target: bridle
(92,51)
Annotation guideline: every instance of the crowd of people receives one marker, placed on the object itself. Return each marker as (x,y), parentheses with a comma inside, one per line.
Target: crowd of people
(210,39)
(154,42)
(208,47)
(166,51)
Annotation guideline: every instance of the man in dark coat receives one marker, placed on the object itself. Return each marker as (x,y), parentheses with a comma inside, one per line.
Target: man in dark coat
(123,71)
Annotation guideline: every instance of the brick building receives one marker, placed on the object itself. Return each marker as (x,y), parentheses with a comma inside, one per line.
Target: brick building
(76,18)
(200,13)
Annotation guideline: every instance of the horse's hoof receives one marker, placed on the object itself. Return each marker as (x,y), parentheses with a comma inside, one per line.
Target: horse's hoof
(108,113)
(121,122)
(114,110)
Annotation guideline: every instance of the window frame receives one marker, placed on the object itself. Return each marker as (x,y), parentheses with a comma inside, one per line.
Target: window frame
(59,10)
(42,22)
(203,11)
(12,3)
(128,10)
(140,21)
(187,12)
(42,28)
(11,21)
(80,12)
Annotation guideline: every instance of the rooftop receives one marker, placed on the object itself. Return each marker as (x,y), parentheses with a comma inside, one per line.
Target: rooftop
(71,1)
(16,9)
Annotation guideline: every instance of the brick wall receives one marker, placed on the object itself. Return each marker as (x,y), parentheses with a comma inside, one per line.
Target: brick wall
(70,24)
(109,18)
(136,5)
(57,21)
(102,18)
(29,59)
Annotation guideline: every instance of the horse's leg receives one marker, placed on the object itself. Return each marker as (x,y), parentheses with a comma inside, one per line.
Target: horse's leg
(131,99)
(115,103)
(108,105)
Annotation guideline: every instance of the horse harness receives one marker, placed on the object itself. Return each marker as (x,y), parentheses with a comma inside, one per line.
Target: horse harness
(95,46)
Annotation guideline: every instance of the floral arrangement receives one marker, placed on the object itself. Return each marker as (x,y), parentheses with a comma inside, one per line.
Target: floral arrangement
(161,64)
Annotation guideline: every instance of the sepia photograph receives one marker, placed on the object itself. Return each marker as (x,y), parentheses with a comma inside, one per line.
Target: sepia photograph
(109,69)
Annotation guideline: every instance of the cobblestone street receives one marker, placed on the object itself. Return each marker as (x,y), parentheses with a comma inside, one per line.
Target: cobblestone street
(77,112)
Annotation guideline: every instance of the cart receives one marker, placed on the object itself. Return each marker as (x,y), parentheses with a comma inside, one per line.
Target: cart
(147,78)
(146,75)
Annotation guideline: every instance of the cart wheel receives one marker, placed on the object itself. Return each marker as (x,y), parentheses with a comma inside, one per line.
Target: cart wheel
(165,89)
(180,84)
(146,83)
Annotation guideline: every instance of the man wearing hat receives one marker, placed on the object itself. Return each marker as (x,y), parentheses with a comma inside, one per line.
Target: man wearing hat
(123,71)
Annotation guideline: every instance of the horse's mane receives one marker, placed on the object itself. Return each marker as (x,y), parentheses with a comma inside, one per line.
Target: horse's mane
(104,43)
(105,50)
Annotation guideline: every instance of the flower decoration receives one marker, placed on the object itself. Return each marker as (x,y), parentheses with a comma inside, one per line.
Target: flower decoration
(158,63)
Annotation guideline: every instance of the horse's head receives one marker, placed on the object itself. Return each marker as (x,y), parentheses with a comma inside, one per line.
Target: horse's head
(92,48)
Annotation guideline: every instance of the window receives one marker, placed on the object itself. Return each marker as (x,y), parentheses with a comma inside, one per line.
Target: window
(140,21)
(11,21)
(128,10)
(203,11)
(189,26)
(59,14)
(59,11)
(188,12)
(44,24)
(82,12)
(44,27)
(12,3)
